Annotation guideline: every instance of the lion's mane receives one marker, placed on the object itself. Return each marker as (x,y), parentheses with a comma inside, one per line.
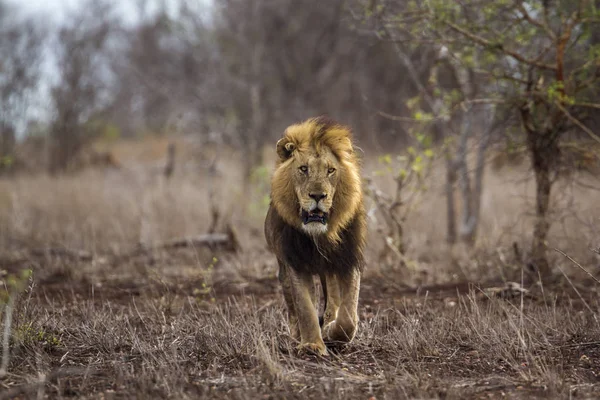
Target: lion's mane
(341,248)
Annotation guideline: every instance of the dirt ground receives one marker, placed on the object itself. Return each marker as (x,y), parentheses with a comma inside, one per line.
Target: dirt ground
(160,331)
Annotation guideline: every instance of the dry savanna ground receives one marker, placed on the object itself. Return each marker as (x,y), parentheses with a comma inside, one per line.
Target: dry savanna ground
(118,307)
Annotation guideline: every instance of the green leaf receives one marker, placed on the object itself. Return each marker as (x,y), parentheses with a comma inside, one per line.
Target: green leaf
(7,161)
(403,173)
(385,159)
(418,168)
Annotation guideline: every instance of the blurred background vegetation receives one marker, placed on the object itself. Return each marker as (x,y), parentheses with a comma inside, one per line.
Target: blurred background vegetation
(424,84)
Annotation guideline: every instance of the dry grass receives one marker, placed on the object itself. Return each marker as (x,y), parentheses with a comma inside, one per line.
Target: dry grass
(238,348)
(198,322)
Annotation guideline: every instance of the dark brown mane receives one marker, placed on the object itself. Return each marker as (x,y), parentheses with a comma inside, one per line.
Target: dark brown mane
(305,255)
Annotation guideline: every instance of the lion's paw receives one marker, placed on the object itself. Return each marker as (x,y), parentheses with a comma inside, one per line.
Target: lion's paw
(335,333)
(313,348)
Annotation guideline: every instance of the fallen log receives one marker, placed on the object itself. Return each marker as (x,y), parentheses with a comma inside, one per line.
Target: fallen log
(80,255)
(28,255)
(210,239)
(226,241)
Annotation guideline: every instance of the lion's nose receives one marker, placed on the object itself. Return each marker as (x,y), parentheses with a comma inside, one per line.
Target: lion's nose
(318,196)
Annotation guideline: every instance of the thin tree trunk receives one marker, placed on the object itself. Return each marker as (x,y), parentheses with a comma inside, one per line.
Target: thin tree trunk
(470,224)
(254,155)
(464,180)
(257,118)
(541,226)
(170,164)
(473,223)
(7,147)
(544,148)
(450,206)
(7,140)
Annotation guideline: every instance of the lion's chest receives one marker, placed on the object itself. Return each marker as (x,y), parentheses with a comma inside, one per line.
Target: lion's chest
(302,253)
(305,254)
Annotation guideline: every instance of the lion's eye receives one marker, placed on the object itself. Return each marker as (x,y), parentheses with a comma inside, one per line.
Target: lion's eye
(331,170)
(304,168)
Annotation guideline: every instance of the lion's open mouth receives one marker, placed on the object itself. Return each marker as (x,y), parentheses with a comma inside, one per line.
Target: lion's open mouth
(314,216)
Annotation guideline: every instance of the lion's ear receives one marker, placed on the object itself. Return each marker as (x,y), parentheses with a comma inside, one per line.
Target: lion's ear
(285,148)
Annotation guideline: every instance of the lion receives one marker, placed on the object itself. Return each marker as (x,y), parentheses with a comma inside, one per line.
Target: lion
(316,226)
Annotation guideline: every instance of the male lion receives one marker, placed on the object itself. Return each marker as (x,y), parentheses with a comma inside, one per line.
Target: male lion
(316,225)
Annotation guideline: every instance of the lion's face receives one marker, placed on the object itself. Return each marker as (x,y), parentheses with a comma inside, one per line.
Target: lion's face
(316,185)
(315,179)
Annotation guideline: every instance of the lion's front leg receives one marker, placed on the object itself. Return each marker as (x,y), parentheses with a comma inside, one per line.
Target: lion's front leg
(286,286)
(344,327)
(302,291)
(333,299)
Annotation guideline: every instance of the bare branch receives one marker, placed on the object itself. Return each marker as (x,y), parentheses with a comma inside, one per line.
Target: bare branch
(540,24)
(396,117)
(410,119)
(577,122)
(500,47)
(588,105)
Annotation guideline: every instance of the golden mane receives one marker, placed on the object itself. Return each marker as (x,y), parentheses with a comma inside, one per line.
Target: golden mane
(317,133)
(313,135)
